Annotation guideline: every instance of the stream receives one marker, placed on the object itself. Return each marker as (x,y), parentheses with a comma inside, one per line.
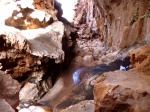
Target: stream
(76,84)
(64,84)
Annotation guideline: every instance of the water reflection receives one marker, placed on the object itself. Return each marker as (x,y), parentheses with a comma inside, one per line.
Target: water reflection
(76,76)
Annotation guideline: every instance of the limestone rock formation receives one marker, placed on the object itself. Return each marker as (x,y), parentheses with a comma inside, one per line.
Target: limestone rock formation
(51,36)
(29,54)
(125,90)
(9,89)
(34,46)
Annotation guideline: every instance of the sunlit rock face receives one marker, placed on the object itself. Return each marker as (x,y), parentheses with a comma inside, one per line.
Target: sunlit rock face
(51,36)
(125,90)
(27,15)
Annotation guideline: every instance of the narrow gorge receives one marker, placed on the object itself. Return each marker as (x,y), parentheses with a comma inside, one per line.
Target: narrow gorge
(75,56)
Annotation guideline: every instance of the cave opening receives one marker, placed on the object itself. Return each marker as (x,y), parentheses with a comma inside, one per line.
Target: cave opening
(68,9)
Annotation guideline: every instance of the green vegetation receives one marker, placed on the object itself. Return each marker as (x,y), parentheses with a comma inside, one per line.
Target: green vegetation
(135,15)
(147,15)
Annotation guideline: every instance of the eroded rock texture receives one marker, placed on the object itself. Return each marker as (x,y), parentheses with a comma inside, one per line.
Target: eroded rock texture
(125,90)
(35,46)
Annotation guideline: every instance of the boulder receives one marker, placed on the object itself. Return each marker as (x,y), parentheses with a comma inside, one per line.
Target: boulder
(140,58)
(51,36)
(122,91)
(9,89)
(125,90)
(31,41)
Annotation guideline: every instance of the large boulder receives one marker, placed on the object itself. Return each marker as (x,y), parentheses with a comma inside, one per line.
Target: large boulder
(125,90)
(39,42)
(122,91)
(51,36)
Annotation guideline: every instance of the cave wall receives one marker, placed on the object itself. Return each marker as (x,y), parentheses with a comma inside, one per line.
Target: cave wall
(121,23)
(125,21)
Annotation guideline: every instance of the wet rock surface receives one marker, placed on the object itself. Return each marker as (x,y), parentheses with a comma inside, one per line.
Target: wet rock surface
(64,95)
(64,85)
